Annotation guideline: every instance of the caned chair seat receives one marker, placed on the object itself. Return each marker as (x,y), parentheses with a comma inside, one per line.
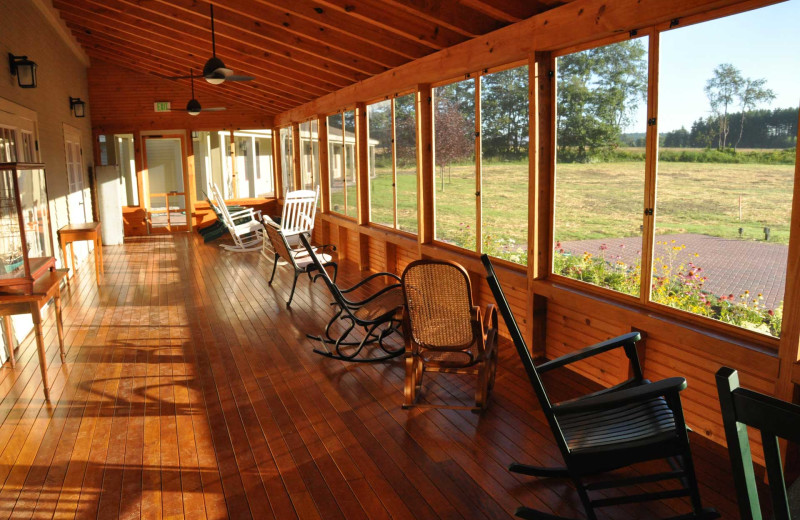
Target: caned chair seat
(444,359)
(651,421)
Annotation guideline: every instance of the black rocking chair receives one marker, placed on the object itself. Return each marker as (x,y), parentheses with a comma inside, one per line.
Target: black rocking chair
(380,315)
(299,259)
(775,419)
(635,421)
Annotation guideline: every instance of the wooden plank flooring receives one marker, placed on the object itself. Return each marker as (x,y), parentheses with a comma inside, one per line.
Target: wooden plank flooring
(191,391)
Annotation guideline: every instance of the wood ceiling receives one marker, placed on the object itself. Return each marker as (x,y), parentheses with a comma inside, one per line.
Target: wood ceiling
(297,50)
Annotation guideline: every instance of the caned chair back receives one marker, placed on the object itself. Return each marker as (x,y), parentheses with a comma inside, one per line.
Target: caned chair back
(299,209)
(279,243)
(439,305)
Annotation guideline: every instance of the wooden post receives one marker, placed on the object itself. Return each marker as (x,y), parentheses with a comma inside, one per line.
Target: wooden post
(540,169)
(277,167)
(298,177)
(651,167)
(362,183)
(234,173)
(478,168)
(425,161)
(324,165)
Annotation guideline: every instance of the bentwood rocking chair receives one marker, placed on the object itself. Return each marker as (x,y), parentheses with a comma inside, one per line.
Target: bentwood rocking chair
(444,332)
(298,259)
(635,421)
(379,315)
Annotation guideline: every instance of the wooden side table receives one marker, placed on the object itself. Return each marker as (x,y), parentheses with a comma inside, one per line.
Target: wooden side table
(76,233)
(46,288)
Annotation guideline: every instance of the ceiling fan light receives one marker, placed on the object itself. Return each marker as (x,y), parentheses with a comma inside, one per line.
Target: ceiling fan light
(211,71)
(193,107)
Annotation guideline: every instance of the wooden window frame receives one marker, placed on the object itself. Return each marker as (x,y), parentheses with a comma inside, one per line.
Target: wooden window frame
(341,113)
(642,300)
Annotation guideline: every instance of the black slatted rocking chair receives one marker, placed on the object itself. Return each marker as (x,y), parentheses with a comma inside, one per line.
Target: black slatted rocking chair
(379,315)
(775,419)
(635,421)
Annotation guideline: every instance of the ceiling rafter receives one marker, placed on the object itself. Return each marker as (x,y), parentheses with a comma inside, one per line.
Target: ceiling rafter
(188,60)
(337,21)
(512,10)
(229,45)
(452,14)
(267,21)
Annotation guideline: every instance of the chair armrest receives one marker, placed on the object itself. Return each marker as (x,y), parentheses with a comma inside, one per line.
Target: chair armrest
(490,317)
(626,340)
(245,212)
(368,279)
(637,394)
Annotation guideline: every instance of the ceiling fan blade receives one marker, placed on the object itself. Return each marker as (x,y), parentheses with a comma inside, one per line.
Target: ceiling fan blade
(214,109)
(236,77)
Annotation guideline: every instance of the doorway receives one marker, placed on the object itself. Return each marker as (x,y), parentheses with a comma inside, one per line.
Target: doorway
(167,202)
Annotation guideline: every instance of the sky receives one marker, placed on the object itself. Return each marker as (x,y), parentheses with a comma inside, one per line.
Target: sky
(764,43)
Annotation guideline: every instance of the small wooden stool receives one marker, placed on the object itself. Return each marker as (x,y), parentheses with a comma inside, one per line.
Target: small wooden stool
(76,233)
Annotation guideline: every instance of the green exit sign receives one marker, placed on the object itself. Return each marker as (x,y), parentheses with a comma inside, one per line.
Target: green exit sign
(162,106)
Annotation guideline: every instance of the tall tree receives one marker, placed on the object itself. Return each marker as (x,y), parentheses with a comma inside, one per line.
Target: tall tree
(599,91)
(751,94)
(722,89)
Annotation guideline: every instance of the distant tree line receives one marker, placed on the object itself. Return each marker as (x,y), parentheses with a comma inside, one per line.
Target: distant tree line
(763,129)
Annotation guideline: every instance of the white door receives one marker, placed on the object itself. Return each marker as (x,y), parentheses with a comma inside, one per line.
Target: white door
(76,197)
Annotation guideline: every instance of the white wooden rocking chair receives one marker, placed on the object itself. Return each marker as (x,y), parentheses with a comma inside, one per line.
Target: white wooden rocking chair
(299,209)
(244,225)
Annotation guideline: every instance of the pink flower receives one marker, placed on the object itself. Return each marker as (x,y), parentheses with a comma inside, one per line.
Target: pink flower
(603,247)
(771,312)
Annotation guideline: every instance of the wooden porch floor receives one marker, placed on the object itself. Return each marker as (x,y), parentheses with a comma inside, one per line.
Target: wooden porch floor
(190,390)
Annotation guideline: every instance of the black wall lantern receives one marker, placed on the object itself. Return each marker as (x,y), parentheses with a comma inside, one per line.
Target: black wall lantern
(24,69)
(77,106)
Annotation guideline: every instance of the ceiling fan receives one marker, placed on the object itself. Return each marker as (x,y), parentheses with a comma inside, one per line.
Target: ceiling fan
(193,106)
(215,70)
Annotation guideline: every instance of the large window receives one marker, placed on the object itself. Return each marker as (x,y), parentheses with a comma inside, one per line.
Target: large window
(600,164)
(454,160)
(728,126)
(309,154)
(504,164)
(342,162)
(254,163)
(691,210)
(287,159)
(393,163)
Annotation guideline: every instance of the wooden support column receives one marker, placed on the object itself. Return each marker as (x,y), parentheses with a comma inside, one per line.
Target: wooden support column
(540,169)
(789,347)
(298,177)
(324,165)
(362,183)
(478,169)
(277,160)
(425,207)
(234,173)
(141,174)
(651,166)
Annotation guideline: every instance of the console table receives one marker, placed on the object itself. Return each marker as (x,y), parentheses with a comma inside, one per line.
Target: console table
(13,302)
(76,233)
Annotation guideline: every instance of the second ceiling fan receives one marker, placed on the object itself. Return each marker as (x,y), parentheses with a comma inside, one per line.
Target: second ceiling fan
(193,106)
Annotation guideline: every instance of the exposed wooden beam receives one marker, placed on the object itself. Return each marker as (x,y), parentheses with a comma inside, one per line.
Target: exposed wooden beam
(266,21)
(511,10)
(182,35)
(570,24)
(452,14)
(150,62)
(337,20)
(374,13)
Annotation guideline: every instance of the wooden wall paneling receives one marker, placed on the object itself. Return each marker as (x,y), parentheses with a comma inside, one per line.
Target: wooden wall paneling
(788,349)
(390,256)
(343,245)
(296,157)
(277,162)
(324,164)
(425,164)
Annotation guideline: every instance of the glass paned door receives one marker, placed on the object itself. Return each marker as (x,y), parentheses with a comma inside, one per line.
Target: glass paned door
(165,186)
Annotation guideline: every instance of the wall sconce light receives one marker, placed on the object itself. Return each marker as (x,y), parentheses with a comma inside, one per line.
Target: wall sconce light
(77,106)
(24,69)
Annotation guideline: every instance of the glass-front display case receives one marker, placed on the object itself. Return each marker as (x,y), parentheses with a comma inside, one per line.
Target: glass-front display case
(26,242)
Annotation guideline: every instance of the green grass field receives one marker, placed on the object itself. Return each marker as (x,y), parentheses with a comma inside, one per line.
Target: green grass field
(602,200)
